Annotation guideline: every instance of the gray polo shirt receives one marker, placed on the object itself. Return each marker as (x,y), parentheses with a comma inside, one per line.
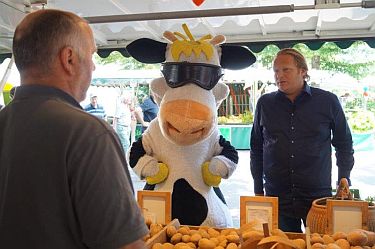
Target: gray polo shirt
(64,182)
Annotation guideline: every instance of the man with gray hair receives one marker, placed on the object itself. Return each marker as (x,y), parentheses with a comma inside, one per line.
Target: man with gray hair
(64,182)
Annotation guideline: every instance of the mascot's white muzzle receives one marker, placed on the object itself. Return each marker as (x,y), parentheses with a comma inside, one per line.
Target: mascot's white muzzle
(186,122)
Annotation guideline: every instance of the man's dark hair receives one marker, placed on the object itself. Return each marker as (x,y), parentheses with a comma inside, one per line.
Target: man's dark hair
(38,40)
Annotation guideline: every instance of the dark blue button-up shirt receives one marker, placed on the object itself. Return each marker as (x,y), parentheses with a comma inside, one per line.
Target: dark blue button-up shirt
(291,146)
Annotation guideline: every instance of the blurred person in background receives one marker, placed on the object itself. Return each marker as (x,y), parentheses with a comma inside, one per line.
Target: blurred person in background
(94,108)
(150,110)
(122,121)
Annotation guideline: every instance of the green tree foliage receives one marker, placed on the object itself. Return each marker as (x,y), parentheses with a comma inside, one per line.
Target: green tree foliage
(127,63)
(358,60)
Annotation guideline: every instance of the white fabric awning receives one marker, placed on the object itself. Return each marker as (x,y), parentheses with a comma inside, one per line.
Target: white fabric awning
(316,22)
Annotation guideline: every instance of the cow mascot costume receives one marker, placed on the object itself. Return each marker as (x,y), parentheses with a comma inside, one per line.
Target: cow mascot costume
(182,150)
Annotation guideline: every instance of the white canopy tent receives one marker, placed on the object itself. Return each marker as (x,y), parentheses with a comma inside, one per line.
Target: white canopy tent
(118,22)
(252,23)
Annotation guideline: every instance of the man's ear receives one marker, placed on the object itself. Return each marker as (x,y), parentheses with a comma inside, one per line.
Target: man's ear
(67,59)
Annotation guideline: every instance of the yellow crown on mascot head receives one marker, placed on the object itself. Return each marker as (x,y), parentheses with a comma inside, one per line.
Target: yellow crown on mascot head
(187,47)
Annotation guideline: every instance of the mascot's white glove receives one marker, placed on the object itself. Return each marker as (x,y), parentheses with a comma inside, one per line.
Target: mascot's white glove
(152,170)
(218,167)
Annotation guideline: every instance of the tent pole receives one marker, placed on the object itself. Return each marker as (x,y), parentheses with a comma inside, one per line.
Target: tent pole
(222,12)
(191,14)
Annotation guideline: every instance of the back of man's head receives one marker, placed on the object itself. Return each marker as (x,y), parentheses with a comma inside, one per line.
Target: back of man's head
(41,35)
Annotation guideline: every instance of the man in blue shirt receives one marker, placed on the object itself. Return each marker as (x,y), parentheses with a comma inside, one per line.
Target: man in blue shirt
(94,108)
(291,140)
(150,110)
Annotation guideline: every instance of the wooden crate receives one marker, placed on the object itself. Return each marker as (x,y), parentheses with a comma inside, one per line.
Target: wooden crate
(161,237)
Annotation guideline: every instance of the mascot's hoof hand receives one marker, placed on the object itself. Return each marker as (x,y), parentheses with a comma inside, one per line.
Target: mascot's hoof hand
(208,177)
(160,176)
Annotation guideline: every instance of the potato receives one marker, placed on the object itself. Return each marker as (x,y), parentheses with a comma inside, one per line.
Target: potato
(339,235)
(195,238)
(252,235)
(221,237)
(232,246)
(184,230)
(191,245)
(300,243)
(357,238)
(185,238)
(223,243)
(343,243)
(333,246)
(226,231)
(168,246)
(212,232)
(181,245)
(356,247)
(176,238)
(219,247)
(157,246)
(171,230)
(370,237)
(316,239)
(205,243)
(215,240)
(204,233)
(233,238)
(318,246)
(327,239)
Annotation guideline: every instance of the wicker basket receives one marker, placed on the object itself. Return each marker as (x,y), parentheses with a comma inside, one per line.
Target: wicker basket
(317,216)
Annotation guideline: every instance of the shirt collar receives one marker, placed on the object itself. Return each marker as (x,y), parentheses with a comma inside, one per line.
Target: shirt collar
(306,88)
(44,91)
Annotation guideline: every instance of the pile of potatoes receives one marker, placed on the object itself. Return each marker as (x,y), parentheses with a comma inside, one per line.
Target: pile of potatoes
(210,238)
(201,237)
(185,237)
(356,239)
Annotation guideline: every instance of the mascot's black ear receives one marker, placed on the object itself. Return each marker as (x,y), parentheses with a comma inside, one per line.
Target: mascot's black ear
(236,57)
(147,50)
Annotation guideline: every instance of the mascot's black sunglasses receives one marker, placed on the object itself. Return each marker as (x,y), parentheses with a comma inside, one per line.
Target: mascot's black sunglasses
(181,73)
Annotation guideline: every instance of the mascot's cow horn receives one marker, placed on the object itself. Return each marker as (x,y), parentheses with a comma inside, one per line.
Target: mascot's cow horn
(150,51)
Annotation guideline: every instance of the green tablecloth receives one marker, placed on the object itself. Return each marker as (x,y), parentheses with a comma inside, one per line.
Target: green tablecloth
(238,135)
